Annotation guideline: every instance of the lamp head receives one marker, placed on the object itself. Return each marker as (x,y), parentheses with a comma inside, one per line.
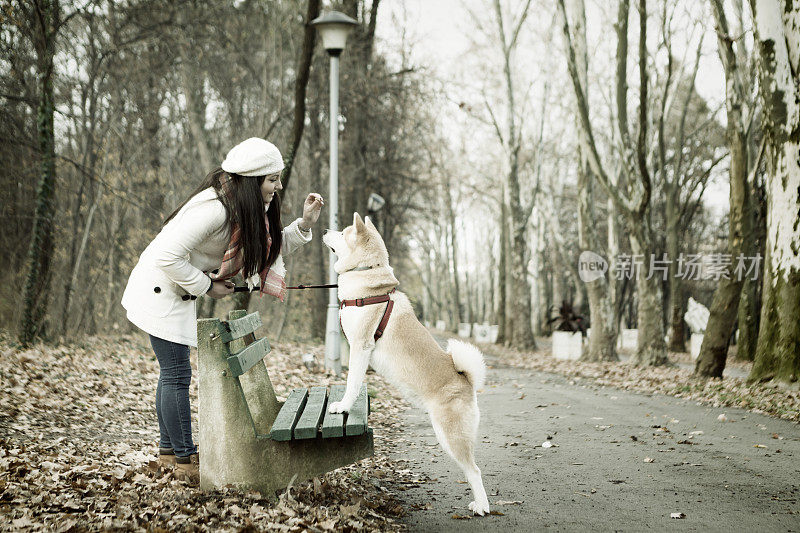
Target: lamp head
(334,27)
(375,202)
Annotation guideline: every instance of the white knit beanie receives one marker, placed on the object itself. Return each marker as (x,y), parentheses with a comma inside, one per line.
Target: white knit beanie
(253,157)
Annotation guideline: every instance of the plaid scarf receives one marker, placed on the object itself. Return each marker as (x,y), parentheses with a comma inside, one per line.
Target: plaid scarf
(272,283)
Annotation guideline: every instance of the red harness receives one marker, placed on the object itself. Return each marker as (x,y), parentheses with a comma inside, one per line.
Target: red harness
(361,302)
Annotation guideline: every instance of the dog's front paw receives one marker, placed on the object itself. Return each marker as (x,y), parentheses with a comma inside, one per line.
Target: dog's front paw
(338,407)
(479,508)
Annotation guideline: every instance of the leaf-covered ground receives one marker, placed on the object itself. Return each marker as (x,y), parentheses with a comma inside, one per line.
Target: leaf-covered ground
(675,380)
(78,437)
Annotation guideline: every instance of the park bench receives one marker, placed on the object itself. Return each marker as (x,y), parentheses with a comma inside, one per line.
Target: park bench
(247,437)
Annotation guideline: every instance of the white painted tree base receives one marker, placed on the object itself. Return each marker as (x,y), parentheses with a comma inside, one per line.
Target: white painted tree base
(567,345)
(628,339)
(481,332)
(694,344)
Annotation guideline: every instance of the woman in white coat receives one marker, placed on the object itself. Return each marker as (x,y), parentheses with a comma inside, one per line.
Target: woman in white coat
(229,225)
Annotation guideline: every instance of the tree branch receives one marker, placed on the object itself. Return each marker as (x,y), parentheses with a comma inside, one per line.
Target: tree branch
(624,204)
(301,83)
(641,150)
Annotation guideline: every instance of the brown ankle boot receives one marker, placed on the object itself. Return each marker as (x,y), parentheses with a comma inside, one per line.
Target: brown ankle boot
(189,467)
(166,457)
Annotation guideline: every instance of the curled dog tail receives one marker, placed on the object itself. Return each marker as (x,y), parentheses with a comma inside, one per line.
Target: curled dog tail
(469,360)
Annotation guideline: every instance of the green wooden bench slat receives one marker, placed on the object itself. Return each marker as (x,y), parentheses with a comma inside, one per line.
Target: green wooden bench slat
(241,326)
(244,360)
(333,424)
(357,417)
(308,424)
(287,417)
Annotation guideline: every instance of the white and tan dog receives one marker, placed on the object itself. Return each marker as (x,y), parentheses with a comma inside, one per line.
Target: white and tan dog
(407,355)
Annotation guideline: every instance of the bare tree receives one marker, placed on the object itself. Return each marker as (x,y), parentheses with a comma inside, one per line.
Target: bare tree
(603,337)
(740,111)
(300,86)
(43,19)
(518,296)
(635,204)
(778,42)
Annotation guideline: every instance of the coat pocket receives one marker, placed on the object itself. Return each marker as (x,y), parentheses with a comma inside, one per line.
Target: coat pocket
(151,292)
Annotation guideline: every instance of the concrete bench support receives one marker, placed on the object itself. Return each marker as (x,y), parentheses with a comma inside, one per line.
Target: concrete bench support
(236,414)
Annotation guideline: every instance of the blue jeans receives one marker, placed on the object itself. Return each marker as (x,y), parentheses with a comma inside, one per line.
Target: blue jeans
(172,396)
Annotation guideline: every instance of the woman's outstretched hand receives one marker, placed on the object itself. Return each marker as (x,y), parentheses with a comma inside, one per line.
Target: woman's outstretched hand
(311,208)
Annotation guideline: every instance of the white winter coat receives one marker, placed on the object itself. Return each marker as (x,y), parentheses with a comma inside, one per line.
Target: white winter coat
(173,270)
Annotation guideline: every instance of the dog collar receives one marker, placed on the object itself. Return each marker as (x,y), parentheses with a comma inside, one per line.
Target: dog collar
(354,269)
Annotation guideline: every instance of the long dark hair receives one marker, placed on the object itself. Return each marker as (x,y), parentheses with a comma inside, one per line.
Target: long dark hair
(244,206)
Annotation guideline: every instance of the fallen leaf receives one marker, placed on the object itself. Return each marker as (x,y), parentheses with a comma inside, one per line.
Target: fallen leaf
(349,510)
(328,525)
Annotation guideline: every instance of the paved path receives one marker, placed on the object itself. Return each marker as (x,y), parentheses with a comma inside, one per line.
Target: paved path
(597,476)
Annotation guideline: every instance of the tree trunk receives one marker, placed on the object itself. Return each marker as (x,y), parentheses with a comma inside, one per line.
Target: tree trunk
(543,293)
(636,205)
(301,84)
(677,327)
(502,282)
(76,268)
(603,338)
(35,296)
(360,182)
(192,85)
(453,249)
(519,305)
(651,349)
(777,29)
(750,301)
(748,321)
(522,334)
(725,305)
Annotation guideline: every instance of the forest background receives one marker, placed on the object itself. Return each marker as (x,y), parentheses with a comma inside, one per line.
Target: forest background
(654,129)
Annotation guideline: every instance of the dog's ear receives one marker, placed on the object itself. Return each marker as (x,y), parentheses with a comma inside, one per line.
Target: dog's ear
(368,223)
(358,223)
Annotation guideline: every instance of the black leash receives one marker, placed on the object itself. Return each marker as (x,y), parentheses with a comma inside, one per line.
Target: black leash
(298,287)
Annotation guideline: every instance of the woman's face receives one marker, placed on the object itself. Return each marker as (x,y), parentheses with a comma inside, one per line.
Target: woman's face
(271,185)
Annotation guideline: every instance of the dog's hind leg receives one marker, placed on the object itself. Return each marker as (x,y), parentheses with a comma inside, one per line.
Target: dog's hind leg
(456,428)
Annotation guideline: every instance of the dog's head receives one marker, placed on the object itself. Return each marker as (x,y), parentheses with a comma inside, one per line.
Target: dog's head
(359,244)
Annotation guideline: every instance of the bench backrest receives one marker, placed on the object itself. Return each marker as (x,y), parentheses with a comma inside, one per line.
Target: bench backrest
(235,342)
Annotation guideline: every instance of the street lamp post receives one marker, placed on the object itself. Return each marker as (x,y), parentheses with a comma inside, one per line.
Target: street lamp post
(333,28)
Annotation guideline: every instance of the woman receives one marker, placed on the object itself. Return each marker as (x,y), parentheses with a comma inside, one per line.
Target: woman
(231,224)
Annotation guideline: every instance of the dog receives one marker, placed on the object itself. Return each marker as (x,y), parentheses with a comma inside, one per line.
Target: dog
(383,331)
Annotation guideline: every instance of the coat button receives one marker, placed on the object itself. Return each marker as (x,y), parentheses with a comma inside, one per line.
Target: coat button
(193,297)
(185,297)
(156,289)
